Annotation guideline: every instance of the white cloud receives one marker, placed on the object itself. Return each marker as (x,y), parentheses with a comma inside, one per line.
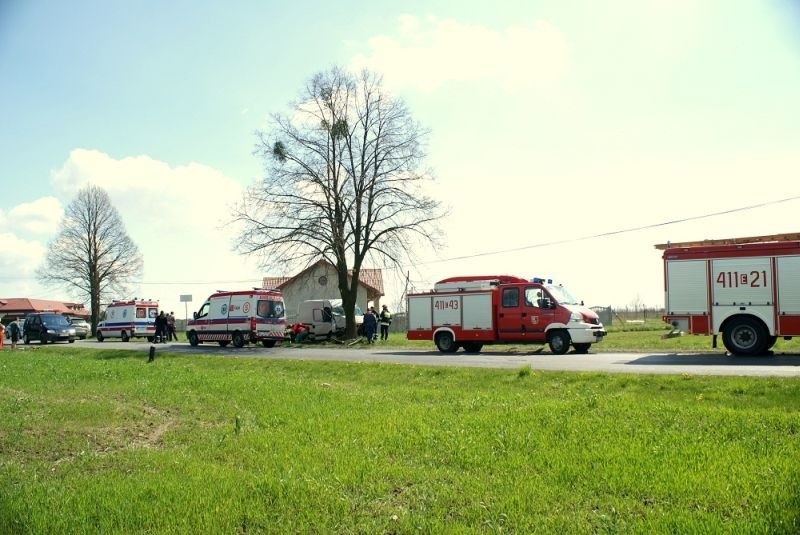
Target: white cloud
(40,217)
(427,53)
(178,216)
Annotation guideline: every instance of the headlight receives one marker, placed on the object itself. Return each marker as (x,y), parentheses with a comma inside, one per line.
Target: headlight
(575,317)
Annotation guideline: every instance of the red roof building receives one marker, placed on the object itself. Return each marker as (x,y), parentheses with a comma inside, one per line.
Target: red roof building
(19,307)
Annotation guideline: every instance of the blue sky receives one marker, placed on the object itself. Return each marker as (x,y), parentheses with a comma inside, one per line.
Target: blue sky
(549,122)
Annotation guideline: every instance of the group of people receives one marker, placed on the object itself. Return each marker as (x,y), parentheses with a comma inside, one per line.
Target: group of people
(165,328)
(372,320)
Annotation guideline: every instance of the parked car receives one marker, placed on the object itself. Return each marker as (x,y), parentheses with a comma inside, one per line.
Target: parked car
(82,327)
(47,327)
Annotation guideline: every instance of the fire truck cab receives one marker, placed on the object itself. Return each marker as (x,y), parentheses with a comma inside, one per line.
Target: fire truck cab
(247,316)
(747,289)
(472,311)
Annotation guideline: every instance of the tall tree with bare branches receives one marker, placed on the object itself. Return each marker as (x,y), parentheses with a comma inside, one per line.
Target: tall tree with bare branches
(344,183)
(92,256)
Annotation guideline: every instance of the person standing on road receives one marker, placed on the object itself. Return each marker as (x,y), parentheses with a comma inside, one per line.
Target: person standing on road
(370,325)
(386,320)
(171,327)
(14,329)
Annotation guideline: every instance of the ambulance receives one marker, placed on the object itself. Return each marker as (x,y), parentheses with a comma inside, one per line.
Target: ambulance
(746,289)
(135,318)
(239,317)
(472,311)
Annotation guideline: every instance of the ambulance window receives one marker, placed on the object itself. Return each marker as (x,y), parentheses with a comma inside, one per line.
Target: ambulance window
(511,297)
(152,312)
(203,312)
(263,309)
(141,313)
(270,309)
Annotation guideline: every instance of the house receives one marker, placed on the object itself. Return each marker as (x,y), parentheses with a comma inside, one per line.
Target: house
(13,308)
(319,281)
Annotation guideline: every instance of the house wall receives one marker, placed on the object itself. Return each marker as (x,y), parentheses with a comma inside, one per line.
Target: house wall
(308,286)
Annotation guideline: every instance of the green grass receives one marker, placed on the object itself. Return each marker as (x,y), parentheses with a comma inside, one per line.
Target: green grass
(99,441)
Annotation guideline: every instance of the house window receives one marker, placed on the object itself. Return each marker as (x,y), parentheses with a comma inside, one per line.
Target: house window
(323,280)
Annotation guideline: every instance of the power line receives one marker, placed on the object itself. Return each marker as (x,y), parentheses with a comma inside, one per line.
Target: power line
(612,232)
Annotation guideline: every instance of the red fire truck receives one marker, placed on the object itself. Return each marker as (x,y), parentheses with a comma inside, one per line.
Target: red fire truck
(472,311)
(747,289)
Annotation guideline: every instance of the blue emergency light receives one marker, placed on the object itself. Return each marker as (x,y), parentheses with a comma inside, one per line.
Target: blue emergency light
(538,280)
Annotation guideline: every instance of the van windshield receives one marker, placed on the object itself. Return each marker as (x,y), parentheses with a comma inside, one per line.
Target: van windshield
(561,295)
(338,310)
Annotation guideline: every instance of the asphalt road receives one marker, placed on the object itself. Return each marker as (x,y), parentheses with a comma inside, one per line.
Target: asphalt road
(538,358)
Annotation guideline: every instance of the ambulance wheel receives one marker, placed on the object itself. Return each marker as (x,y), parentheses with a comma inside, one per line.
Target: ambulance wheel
(582,348)
(268,343)
(238,339)
(472,347)
(193,339)
(224,343)
(745,336)
(100,337)
(445,343)
(558,342)
(125,336)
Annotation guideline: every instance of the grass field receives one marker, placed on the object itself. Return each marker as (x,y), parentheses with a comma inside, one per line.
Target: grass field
(99,441)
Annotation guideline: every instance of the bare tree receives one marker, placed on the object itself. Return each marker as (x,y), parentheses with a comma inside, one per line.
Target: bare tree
(92,256)
(343,183)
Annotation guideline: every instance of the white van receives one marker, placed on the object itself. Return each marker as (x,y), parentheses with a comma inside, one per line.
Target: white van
(325,317)
(241,317)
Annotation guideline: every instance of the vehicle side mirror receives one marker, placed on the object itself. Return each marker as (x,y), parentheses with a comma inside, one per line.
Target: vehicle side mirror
(194,315)
(548,303)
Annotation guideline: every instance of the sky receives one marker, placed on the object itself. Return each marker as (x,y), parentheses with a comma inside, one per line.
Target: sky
(566,138)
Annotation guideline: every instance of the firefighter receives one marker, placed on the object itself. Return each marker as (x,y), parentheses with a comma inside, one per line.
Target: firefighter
(385,320)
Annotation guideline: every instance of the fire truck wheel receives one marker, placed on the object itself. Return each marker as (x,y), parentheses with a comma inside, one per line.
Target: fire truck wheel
(582,348)
(125,336)
(224,343)
(473,347)
(238,339)
(745,336)
(558,342)
(268,343)
(445,343)
(100,337)
(193,339)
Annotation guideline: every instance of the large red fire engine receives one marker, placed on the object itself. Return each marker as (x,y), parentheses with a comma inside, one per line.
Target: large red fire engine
(747,289)
(472,311)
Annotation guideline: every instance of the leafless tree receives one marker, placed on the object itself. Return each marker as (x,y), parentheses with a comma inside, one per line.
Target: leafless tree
(92,257)
(343,183)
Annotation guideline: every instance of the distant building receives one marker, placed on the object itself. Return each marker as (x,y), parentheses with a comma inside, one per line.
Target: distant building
(320,281)
(13,308)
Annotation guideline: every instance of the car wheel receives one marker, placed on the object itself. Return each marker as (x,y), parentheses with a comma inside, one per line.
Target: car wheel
(238,339)
(100,337)
(193,339)
(559,342)
(72,341)
(125,336)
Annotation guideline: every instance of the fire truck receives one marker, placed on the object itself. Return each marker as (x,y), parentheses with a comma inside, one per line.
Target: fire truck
(747,289)
(473,311)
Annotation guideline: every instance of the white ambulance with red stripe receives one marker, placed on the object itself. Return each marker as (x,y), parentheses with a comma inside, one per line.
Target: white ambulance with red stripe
(747,289)
(472,311)
(134,318)
(240,317)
